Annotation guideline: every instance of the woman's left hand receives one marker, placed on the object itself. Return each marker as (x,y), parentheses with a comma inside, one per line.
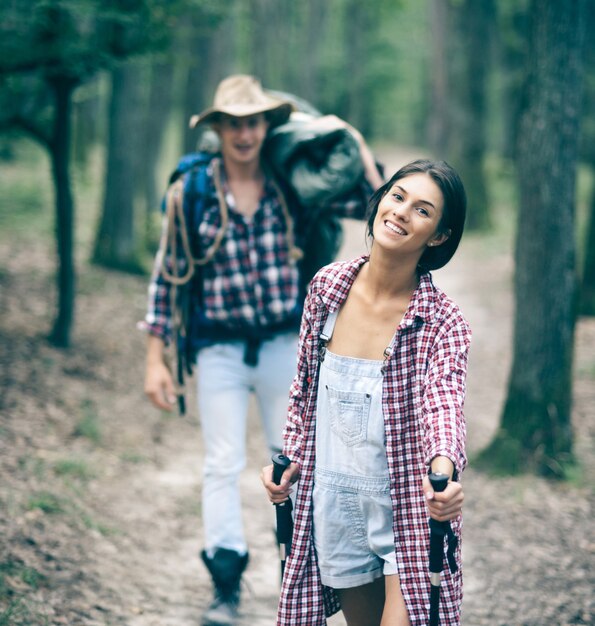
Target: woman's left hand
(445,505)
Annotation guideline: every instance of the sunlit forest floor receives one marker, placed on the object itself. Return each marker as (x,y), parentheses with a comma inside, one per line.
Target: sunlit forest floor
(99,493)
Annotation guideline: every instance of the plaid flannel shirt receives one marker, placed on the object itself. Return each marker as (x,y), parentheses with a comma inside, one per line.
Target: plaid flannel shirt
(251,280)
(423,395)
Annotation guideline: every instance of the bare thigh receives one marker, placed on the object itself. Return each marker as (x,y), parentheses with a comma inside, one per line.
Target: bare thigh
(364,605)
(395,611)
(379,603)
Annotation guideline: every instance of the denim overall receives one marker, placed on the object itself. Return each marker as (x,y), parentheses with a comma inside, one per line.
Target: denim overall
(352,509)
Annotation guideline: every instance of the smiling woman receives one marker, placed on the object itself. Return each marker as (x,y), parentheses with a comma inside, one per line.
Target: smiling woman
(453,205)
(376,405)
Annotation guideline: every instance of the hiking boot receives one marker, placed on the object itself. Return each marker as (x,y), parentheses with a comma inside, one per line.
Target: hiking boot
(222,611)
(226,568)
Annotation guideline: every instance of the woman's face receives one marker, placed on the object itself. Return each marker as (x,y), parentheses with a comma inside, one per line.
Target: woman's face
(409,214)
(242,137)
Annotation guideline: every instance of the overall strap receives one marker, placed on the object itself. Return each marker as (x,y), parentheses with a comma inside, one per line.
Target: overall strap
(326,334)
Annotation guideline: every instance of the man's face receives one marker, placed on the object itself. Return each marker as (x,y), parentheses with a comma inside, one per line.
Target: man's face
(242,137)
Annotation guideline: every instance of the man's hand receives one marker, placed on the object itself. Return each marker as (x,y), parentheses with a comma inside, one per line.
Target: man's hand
(159,383)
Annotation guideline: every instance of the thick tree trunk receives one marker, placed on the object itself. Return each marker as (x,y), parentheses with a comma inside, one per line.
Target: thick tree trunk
(467,136)
(536,431)
(588,275)
(158,113)
(60,156)
(209,52)
(116,245)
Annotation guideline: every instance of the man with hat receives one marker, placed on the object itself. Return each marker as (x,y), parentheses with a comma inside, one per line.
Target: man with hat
(251,299)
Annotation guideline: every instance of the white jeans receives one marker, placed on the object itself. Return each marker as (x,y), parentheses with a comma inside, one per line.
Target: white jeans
(225,383)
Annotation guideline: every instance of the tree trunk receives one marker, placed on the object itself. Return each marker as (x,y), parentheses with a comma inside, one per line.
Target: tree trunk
(209,51)
(313,36)
(60,156)
(587,296)
(159,108)
(438,119)
(115,245)
(512,36)
(535,432)
(86,115)
(358,30)
(467,137)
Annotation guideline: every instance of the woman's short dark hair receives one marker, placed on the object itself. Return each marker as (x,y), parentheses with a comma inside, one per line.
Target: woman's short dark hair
(453,213)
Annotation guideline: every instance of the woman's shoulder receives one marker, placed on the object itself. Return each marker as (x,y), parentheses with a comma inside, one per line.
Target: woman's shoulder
(338,272)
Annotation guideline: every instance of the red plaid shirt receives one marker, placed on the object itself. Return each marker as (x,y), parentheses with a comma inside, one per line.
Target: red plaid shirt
(423,395)
(250,281)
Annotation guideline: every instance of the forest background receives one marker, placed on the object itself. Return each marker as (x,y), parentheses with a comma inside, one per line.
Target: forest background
(94,103)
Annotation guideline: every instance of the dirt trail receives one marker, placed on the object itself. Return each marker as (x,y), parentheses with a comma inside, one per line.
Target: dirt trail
(109,519)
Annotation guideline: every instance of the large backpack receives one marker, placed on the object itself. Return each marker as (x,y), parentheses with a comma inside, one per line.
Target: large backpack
(182,206)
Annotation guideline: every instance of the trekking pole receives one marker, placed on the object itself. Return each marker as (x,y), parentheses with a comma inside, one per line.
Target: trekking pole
(439,530)
(283,512)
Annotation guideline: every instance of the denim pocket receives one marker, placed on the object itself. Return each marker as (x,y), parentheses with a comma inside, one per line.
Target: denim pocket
(349,412)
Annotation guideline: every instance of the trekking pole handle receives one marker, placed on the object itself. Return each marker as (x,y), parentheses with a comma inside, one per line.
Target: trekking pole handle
(438,481)
(280,464)
(283,509)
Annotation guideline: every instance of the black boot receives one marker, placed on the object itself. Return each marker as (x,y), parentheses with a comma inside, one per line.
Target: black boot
(226,568)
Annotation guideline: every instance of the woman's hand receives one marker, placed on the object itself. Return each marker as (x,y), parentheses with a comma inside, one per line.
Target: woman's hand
(279,493)
(445,505)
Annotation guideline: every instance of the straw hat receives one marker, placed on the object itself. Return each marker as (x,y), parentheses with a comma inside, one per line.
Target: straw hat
(241,95)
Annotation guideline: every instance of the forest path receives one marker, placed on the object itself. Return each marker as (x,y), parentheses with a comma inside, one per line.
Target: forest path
(116,541)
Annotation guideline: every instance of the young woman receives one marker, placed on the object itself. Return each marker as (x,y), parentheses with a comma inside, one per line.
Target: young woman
(377,404)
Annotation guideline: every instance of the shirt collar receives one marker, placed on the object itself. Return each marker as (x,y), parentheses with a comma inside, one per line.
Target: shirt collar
(421,307)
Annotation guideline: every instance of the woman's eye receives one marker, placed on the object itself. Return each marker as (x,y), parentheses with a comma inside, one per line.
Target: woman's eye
(422,211)
(398,196)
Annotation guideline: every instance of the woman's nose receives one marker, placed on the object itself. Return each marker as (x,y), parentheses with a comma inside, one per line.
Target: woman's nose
(401,211)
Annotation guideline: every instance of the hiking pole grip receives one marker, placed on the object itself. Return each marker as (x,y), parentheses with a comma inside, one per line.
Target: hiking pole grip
(283,509)
(438,481)
(280,464)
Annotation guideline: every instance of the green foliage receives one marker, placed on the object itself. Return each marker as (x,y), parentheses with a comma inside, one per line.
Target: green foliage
(74,468)
(47,502)
(76,38)
(33,466)
(19,571)
(21,613)
(16,578)
(24,206)
(88,426)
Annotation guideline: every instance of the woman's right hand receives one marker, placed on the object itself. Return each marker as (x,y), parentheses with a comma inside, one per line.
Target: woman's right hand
(279,493)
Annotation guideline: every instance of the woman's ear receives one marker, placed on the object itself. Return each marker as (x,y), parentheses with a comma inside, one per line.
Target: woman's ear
(439,238)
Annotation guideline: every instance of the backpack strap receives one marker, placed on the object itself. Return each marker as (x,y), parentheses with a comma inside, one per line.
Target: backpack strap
(177,215)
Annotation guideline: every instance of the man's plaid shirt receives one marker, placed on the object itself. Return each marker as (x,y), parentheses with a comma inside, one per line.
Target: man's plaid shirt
(251,280)
(423,395)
